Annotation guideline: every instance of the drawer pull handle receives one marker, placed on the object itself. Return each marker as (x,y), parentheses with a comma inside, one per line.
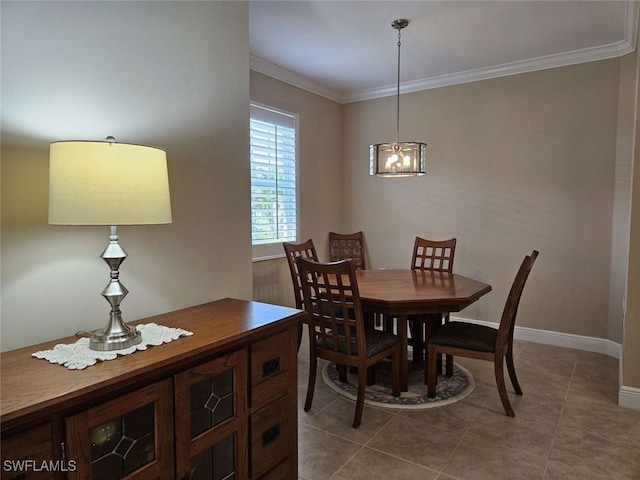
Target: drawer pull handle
(270,367)
(270,435)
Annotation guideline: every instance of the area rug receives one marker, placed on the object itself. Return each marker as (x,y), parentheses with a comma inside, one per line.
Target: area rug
(448,390)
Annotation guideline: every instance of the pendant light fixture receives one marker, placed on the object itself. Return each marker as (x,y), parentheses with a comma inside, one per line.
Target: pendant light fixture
(397,159)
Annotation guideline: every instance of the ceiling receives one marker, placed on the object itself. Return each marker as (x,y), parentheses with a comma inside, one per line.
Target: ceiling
(347,50)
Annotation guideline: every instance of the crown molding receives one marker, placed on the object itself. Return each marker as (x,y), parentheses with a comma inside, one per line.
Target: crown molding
(287,76)
(531,65)
(603,52)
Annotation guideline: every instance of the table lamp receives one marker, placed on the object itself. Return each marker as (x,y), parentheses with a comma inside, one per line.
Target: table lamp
(109,183)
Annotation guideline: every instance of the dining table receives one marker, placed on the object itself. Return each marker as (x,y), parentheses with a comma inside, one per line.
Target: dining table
(399,293)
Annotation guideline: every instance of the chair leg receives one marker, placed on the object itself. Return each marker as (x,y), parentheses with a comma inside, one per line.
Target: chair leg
(431,371)
(512,373)
(342,372)
(417,339)
(498,365)
(388,323)
(449,365)
(313,367)
(371,375)
(362,386)
(449,358)
(300,329)
(431,325)
(396,372)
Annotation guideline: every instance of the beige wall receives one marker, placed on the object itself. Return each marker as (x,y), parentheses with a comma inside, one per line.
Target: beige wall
(540,160)
(631,352)
(94,76)
(320,156)
(537,160)
(514,164)
(622,196)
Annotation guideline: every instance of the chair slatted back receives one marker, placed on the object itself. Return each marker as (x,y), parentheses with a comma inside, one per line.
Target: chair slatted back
(293,251)
(436,255)
(347,246)
(508,319)
(332,301)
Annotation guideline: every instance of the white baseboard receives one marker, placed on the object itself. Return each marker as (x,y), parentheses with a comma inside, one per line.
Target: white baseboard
(629,397)
(567,340)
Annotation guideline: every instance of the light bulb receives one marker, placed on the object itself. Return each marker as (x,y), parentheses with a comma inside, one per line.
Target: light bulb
(406,160)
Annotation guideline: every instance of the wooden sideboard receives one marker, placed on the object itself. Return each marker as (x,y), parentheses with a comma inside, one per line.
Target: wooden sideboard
(219,404)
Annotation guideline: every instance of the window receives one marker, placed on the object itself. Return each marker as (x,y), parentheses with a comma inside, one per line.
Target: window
(274,180)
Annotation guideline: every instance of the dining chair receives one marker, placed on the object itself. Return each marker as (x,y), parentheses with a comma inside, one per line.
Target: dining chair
(435,256)
(294,250)
(350,246)
(337,330)
(347,246)
(483,342)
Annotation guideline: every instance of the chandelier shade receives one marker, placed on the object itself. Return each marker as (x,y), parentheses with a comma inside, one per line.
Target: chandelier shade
(401,159)
(397,159)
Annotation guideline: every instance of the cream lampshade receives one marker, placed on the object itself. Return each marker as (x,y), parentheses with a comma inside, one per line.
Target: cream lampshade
(109,183)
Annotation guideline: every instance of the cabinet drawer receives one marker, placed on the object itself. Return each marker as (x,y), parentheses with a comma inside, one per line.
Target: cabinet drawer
(24,454)
(281,472)
(269,369)
(270,436)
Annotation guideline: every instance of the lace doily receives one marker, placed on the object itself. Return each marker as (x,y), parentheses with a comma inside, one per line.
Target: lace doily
(76,356)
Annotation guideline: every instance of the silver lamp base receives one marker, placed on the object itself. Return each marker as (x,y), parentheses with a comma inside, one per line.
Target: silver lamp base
(117,334)
(107,342)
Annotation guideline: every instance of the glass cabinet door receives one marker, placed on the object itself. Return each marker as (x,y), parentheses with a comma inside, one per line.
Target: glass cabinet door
(211,420)
(130,436)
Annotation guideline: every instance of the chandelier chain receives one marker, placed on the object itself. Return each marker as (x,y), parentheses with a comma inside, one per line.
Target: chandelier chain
(398,91)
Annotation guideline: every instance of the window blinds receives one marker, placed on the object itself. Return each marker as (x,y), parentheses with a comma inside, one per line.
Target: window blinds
(273,176)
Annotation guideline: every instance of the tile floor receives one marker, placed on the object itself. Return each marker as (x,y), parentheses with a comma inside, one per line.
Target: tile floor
(567,426)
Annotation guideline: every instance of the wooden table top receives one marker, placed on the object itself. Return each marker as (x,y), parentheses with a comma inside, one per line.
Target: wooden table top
(406,291)
(30,384)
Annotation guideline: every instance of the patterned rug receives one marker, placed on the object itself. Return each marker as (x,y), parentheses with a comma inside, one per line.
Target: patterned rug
(448,390)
